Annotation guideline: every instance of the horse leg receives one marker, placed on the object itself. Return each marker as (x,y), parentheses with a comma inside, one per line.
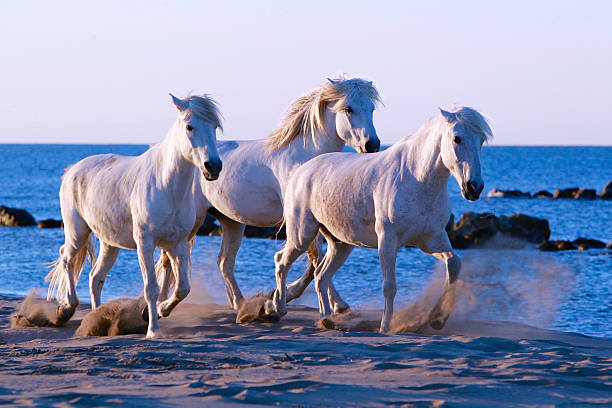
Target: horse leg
(337,303)
(145,249)
(387,252)
(230,244)
(301,231)
(441,248)
(295,289)
(165,274)
(179,258)
(73,254)
(337,253)
(106,260)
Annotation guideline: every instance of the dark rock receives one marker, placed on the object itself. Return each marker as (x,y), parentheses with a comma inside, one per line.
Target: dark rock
(585,194)
(50,223)
(450,224)
(523,226)
(472,229)
(566,193)
(559,245)
(606,193)
(475,229)
(495,193)
(575,192)
(530,228)
(14,217)
(543,194)
(265,232)
(208,227)
(585,243)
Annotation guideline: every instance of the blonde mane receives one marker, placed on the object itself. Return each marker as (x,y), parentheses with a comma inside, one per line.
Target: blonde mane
(206,108)
(305,115)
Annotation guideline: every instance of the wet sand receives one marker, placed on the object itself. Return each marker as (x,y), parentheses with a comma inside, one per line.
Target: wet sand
(206,359)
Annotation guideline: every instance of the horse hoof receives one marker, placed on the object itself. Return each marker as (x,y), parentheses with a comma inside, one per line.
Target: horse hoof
(437,324)
(64,313)
(270,318)
(267,315)
(153,334)
(342,309)
(327,323)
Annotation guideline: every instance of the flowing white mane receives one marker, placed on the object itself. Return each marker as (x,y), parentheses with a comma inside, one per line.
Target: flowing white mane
(204,107)
(473,120)
(305,115)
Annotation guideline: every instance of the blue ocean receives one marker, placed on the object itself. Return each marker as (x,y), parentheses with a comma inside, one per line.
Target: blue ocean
(569,290)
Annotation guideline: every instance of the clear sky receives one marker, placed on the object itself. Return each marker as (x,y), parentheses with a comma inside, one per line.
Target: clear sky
(100,73)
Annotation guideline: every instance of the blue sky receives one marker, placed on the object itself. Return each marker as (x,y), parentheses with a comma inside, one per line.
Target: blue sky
(79,72)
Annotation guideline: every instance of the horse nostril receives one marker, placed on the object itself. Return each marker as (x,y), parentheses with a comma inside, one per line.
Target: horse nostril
(213,167)
(371,147)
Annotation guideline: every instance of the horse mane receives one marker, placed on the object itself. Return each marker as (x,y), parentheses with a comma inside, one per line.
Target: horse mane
(206,108)
(474,121)
(305,115)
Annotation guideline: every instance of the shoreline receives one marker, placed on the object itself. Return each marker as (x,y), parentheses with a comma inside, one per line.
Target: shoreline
(205,358)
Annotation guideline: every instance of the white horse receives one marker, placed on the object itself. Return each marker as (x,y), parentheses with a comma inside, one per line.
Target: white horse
(250,189)
(137,203)
(387,200)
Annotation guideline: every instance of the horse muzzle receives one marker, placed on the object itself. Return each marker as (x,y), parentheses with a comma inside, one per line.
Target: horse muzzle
(471,190)
(211,170)
(372,146)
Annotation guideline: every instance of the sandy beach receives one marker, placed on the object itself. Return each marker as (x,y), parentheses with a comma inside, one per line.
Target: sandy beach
(207,359)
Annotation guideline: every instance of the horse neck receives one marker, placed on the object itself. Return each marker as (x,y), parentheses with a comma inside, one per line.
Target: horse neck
(174,172)
(422,155)
(324,142)
(304,147)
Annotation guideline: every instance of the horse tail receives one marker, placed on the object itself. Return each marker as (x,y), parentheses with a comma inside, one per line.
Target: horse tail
(58,275)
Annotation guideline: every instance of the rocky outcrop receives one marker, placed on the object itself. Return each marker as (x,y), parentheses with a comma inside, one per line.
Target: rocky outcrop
(495,193)
(473,230)
(560,245)
(606,193)
(50,223)
(265,232)
(543,194)
(15,217)
(576,193)
(569,193)
(585,243)
(209,227)
(563,245)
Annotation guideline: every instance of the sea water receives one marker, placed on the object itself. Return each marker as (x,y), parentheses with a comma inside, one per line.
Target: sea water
(570,290)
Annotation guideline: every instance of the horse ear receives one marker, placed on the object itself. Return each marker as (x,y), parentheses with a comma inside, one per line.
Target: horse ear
(180,104)
(449,116)
(331,81)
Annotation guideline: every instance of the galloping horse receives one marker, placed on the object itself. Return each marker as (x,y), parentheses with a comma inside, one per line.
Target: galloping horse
(138,203)
(387,200)
(250,189)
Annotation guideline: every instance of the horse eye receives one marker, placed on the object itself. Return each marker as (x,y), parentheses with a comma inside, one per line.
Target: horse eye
(189,128)
(457,139)
(348,109)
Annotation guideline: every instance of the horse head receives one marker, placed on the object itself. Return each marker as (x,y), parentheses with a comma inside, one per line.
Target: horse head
(465,132)
(197,129)
(354,114)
